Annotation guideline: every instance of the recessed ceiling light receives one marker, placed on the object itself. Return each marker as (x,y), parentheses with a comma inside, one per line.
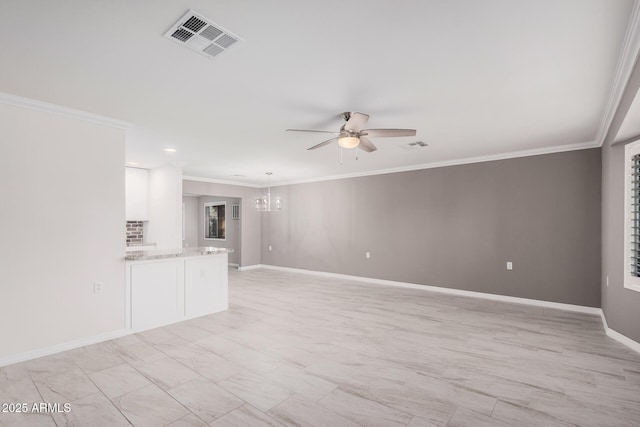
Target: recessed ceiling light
(170,150)
(239,176)
(132,163)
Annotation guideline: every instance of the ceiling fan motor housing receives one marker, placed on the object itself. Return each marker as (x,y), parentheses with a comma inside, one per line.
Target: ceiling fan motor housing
(352,133)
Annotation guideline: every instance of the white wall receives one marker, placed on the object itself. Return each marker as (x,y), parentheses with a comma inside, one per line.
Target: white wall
(191,221)
(62,186)
(136,194)
(165,208)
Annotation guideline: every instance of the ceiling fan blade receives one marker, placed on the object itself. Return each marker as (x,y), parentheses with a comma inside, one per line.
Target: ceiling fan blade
(381,133)
(356,122)
(366,145)
(308,130)
(322,144)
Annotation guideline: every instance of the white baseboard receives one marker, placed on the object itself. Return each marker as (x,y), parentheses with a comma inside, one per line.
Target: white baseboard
(450,291)
(622,339)
(251,267)
(538,303)
(69,345)
(604,321)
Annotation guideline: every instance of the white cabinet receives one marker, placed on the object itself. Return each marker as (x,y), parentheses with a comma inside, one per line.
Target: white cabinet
(204,280)
(170,290)
(157,293)
(137,194)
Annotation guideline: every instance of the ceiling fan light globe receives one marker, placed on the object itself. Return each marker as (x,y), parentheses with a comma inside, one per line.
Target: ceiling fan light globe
(349,141)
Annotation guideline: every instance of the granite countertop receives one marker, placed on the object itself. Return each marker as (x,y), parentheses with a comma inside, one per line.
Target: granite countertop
(175,253)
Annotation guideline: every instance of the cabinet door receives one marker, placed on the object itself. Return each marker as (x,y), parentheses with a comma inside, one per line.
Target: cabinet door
(205,285)
(136,194)
(157,294)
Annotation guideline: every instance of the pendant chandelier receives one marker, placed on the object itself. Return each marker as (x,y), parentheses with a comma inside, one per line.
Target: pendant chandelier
(263,204)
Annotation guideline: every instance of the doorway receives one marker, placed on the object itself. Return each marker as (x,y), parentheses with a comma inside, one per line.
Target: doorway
(197,219)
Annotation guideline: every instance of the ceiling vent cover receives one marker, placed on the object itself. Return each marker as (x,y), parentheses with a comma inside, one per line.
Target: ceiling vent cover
(414,145)
(202,35)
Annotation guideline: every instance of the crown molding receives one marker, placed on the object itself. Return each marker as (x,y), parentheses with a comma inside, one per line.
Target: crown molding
(33,104)
(627,141)
(463,161)
(219,181)
(626,63)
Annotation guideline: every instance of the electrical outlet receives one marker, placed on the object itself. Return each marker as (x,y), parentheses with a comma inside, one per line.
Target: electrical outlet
(367,255)
(270,248)
(97,287)
(509,265)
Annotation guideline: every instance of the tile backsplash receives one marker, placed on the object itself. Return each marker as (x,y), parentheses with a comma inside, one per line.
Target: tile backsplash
(135,232)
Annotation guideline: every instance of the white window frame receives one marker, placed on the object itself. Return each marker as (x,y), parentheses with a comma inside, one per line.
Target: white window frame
(630,150)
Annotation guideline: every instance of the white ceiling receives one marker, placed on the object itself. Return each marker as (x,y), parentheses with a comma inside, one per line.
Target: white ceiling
(475,78)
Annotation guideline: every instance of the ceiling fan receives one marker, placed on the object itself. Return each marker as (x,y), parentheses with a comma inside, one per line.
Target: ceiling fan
(353,135)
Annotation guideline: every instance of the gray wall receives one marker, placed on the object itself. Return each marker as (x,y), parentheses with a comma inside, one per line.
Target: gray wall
(190,238)
(232,227)
(454,227)
(249,253)
(621,306)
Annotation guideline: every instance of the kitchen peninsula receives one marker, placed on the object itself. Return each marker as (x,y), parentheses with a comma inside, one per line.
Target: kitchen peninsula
(168,286)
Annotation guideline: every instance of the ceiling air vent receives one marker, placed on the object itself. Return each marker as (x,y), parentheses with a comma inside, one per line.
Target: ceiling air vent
(213,50)
(211,32)
(201,35)
(182,35)
(194,24)
(413,145)
(226,41)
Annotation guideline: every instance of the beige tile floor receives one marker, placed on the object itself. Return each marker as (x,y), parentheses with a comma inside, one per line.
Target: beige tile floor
(300,350)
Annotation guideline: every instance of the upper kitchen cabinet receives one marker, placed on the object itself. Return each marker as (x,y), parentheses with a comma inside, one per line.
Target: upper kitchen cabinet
(137,194)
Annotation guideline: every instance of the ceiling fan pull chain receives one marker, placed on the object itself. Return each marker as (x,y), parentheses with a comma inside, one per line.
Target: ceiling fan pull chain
(341,163)
(356,153)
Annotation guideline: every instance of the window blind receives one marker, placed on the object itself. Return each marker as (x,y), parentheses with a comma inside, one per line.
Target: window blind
(634,216)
